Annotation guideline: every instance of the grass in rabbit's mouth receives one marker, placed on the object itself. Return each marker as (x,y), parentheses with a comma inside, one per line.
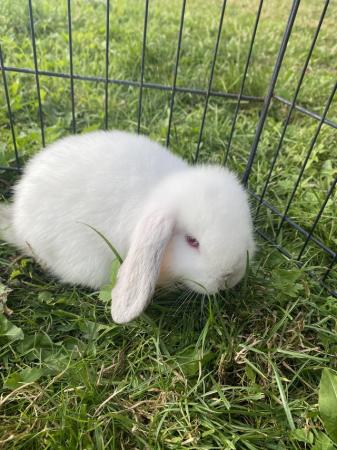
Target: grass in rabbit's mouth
(237,371)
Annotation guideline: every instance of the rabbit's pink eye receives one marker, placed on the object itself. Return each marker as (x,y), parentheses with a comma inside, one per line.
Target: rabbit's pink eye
(191,241)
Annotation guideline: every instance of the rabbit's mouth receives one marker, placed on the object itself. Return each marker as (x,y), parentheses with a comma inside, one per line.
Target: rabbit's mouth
(200,288)
(227,281)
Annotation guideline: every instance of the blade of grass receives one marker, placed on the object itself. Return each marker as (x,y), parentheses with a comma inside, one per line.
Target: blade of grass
(112,248)
(283,398)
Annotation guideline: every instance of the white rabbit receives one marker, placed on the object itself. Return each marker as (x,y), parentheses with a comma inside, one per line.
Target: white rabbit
(168,220)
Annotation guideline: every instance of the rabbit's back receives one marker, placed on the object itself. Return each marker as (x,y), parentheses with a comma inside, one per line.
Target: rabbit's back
(99,179)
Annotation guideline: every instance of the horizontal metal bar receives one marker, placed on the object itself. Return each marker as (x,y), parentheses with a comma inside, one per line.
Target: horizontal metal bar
(161,87)
(306,111)
(293,224)
(184,90)
(298,263)
(13,169)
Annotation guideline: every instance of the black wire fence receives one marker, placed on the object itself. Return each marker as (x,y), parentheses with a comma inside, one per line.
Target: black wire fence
(270,98)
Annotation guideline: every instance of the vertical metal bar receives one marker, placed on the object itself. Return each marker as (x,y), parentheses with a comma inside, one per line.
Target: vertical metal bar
(9,110)
(210,81)
(312,144)
(72,93)
(313,227)
(107,28)
(292,106)
(270,92)
(328,270)
(142,65)
(243,81)
(175,73)
(36,71)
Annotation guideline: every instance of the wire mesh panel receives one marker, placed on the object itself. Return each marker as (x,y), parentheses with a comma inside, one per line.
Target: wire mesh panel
(228,96)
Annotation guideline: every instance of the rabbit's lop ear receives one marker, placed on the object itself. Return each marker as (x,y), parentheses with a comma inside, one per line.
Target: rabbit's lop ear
(138,275)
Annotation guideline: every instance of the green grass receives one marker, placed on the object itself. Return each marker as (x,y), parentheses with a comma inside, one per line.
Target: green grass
(240,371)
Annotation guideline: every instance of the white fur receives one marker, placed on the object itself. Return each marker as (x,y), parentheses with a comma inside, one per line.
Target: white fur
(144,200)
(6,230)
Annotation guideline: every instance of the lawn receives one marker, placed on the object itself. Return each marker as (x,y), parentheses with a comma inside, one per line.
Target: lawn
(238,371)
